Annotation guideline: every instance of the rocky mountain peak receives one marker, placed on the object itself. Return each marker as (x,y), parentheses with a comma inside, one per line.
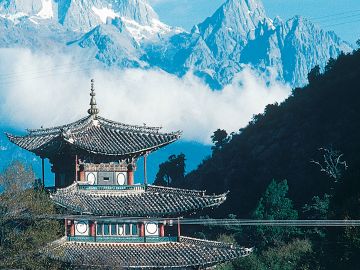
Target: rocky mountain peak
(251,8)
(242,16)
(77,15)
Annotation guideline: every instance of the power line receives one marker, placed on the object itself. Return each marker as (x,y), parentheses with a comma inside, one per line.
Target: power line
(337,19)
(43,76)
(330,25)
(56,67)
(334,14)
(208,222)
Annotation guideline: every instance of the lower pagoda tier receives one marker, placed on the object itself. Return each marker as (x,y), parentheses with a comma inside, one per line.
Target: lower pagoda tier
(186,253)
(134,200)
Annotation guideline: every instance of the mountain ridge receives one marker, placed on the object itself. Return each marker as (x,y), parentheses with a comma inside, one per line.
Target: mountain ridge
(239,34)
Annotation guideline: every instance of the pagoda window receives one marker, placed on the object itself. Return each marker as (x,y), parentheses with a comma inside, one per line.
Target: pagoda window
(106,229)
(134,229)
(113,229)
(127,229)
(121,229)
(99,229)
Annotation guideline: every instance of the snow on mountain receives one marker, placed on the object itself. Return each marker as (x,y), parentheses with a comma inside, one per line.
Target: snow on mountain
(85,15)
(104,13)
(234,22)
(239,33)
(15,10)
(46,11)
(128,33)
(113,45)
(81,16)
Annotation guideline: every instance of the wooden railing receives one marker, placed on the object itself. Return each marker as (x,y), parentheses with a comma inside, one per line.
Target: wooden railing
(112,187)
(122,239)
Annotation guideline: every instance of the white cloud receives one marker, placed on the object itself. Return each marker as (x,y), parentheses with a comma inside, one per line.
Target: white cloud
(46,92)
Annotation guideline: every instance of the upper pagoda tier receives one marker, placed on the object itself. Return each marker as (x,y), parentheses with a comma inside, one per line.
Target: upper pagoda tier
(94,138)
(134,201)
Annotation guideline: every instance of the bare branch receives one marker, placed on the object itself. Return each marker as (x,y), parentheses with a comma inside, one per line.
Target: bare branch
(332,164)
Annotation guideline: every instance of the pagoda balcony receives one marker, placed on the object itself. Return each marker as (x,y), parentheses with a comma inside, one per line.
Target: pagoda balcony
(112,187)
(122,239)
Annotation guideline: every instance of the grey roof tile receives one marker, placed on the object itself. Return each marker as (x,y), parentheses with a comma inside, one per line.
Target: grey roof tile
(185,254)
(149,201)
(96,136)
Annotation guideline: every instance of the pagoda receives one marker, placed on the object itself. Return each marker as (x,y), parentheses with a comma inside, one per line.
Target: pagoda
(112,222)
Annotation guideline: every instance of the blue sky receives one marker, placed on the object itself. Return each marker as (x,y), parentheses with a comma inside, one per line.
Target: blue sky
(186,13)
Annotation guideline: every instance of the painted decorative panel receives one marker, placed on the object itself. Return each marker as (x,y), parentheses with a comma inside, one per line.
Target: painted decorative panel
(91,177)
(121,178)
(81,228)
(151,229)
(105,178)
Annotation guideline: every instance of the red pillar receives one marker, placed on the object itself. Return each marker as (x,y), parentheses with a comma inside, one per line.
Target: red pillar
(72,228)
(82,176)
(130,175)
(92,228)
(161,229)
(141,230)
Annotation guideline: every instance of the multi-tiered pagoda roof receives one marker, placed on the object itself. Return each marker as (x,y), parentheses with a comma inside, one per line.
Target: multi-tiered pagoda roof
(121,225)
(136,200)
(95,136)
(187,253)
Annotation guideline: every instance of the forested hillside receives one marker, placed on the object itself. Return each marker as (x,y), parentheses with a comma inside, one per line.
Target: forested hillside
(284,142)
(297,160)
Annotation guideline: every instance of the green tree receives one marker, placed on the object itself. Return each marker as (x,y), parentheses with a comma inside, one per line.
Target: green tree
(330,64)
(23,235)
(291,256)
(274,205)
(314,74)
(172,171)
(219,138)
(318,209)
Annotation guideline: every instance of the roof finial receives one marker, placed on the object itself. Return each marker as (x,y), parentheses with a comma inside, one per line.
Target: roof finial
(93,109)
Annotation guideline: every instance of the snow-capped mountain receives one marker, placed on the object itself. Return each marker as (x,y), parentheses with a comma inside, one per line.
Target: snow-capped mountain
(82,16)
(238,34)
(128,33)
(113,44)
(77,15)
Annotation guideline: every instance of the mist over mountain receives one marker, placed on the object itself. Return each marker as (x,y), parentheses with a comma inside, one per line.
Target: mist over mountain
(128,33)
(283,142)
(123,34)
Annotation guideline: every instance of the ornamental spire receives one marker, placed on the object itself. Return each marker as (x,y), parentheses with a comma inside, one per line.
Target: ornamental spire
(93,109)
